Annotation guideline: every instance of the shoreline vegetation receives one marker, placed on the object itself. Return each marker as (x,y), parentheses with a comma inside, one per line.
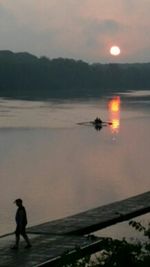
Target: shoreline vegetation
(25,76)
(117,253)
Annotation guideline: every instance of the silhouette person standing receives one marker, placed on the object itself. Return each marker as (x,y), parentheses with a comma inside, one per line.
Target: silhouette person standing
(21,222)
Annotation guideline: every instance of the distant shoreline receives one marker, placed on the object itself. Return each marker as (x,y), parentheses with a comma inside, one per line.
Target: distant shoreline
(25,76)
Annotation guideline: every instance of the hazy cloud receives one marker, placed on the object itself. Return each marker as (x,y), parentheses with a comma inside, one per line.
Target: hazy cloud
(107,26)
(76,28)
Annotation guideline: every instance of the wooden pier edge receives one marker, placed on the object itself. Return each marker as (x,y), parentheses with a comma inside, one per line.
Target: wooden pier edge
(75,254)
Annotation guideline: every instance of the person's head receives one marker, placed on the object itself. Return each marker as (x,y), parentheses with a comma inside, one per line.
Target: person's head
(18,202)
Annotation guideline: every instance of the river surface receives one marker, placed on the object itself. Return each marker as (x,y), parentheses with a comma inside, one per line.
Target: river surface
(59,167)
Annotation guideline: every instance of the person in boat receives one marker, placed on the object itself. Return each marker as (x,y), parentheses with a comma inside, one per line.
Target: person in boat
(97,121)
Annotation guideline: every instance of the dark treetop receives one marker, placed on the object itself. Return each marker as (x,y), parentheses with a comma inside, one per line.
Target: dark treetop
(23,75)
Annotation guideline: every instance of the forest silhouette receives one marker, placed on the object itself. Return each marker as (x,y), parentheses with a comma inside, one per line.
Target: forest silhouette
(23,75)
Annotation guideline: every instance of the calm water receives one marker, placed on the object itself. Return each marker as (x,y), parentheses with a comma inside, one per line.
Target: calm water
(59,167)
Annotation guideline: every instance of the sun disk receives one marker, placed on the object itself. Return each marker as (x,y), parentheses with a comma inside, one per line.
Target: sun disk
(115,50)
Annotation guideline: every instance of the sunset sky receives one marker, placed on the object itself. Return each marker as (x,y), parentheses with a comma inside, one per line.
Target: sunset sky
(79,29)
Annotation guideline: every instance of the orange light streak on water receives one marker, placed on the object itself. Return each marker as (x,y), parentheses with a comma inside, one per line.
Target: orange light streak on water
(115,124)
(114,114)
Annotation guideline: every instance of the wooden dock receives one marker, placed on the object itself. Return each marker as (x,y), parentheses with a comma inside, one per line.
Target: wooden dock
(52,240)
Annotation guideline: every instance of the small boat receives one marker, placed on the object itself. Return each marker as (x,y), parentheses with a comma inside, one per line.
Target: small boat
(97,123)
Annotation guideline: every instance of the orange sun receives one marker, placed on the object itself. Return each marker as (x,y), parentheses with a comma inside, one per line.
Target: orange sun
(115,51)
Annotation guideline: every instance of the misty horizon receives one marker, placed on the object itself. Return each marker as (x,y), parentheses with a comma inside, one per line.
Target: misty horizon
(77,29)
(71,58)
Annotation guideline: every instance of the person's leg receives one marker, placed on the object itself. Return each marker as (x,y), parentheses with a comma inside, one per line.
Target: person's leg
(17,240)
(26,238)
(17,236)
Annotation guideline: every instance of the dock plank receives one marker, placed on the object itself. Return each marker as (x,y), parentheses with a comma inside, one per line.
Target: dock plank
(97,218)
(46,250)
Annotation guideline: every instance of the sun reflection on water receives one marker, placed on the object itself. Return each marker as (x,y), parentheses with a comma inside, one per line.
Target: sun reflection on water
(114,114)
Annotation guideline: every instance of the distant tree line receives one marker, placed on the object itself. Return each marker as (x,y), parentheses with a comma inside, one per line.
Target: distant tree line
(23,75)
